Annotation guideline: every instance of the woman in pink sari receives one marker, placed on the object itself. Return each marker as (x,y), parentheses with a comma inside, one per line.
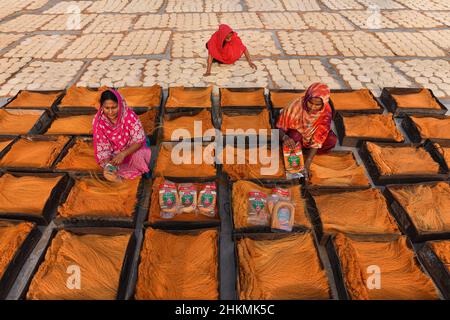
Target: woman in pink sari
(119,139)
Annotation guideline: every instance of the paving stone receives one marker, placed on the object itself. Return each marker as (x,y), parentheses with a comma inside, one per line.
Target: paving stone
(25,23)
(6,39)
(242,20)
(104,6)
(65,7)
(92,46)
(299,73)
(40,46)
(143,6)
(410,44)
(371,73)
(264,5)
(40,75)
(306,43)
(67,22)
(8,67)
(179,21)
(440,37)
(381,4)
(193,44)
(426,4)
(189,72)
(366,19)
(359,44)
(9,7)
(412,19)
(223,6)
(184,6)
(143,42)
(342,4)
(110,23)
(326,21)
(432,74)
(283,20)
(441,16)
(113,73)
(301,5)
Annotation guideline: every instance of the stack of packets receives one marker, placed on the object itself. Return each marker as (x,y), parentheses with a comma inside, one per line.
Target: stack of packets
(293,161)
(276,209)
(184,198)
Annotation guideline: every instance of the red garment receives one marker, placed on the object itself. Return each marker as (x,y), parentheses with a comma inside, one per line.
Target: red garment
(225,52)
(327,145)
(313,126)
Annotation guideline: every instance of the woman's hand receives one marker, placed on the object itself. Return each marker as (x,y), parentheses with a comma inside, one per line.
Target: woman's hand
(289,142)
(118,159)
(252,65)
(306,175)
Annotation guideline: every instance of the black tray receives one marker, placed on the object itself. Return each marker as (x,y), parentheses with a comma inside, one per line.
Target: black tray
(75,109)
(126,265)
(239,142)
(144,108)
(245,111)
(380,179)
(404,219)
(102,221)
(188,225)
(135,269)
(275,112)
(388,100)
(228,206)
(51,108)
(437,155)
(356,111)
(154,160)
(42,122)
(31,169)
(274,236)
(8,147)
(67,115)
(64,153)
(347,141)
(185,109)
(413,132)
(20,256)
(299,91)
(50,207)
(336,263)
(314,215)
(331,188)
(241,90)
(174,114)
(436,269)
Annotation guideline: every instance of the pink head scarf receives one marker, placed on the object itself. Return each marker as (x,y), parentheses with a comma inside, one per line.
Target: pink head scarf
(110,139)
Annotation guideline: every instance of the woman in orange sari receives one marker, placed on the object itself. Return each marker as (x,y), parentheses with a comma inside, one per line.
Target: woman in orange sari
(225,46)
(307,120)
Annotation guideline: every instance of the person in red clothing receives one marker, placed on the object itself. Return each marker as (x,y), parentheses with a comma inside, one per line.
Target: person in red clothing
(226,47)
(307,120)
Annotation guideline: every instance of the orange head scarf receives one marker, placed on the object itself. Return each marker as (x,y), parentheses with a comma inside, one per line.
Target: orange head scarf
(225,52)
(313,125)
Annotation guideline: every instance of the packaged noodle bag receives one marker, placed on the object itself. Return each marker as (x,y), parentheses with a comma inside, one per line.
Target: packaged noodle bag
(282,210)
(168,199)
(188,198)
(258,213)
(207,199)
(293,161)
(277,194)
